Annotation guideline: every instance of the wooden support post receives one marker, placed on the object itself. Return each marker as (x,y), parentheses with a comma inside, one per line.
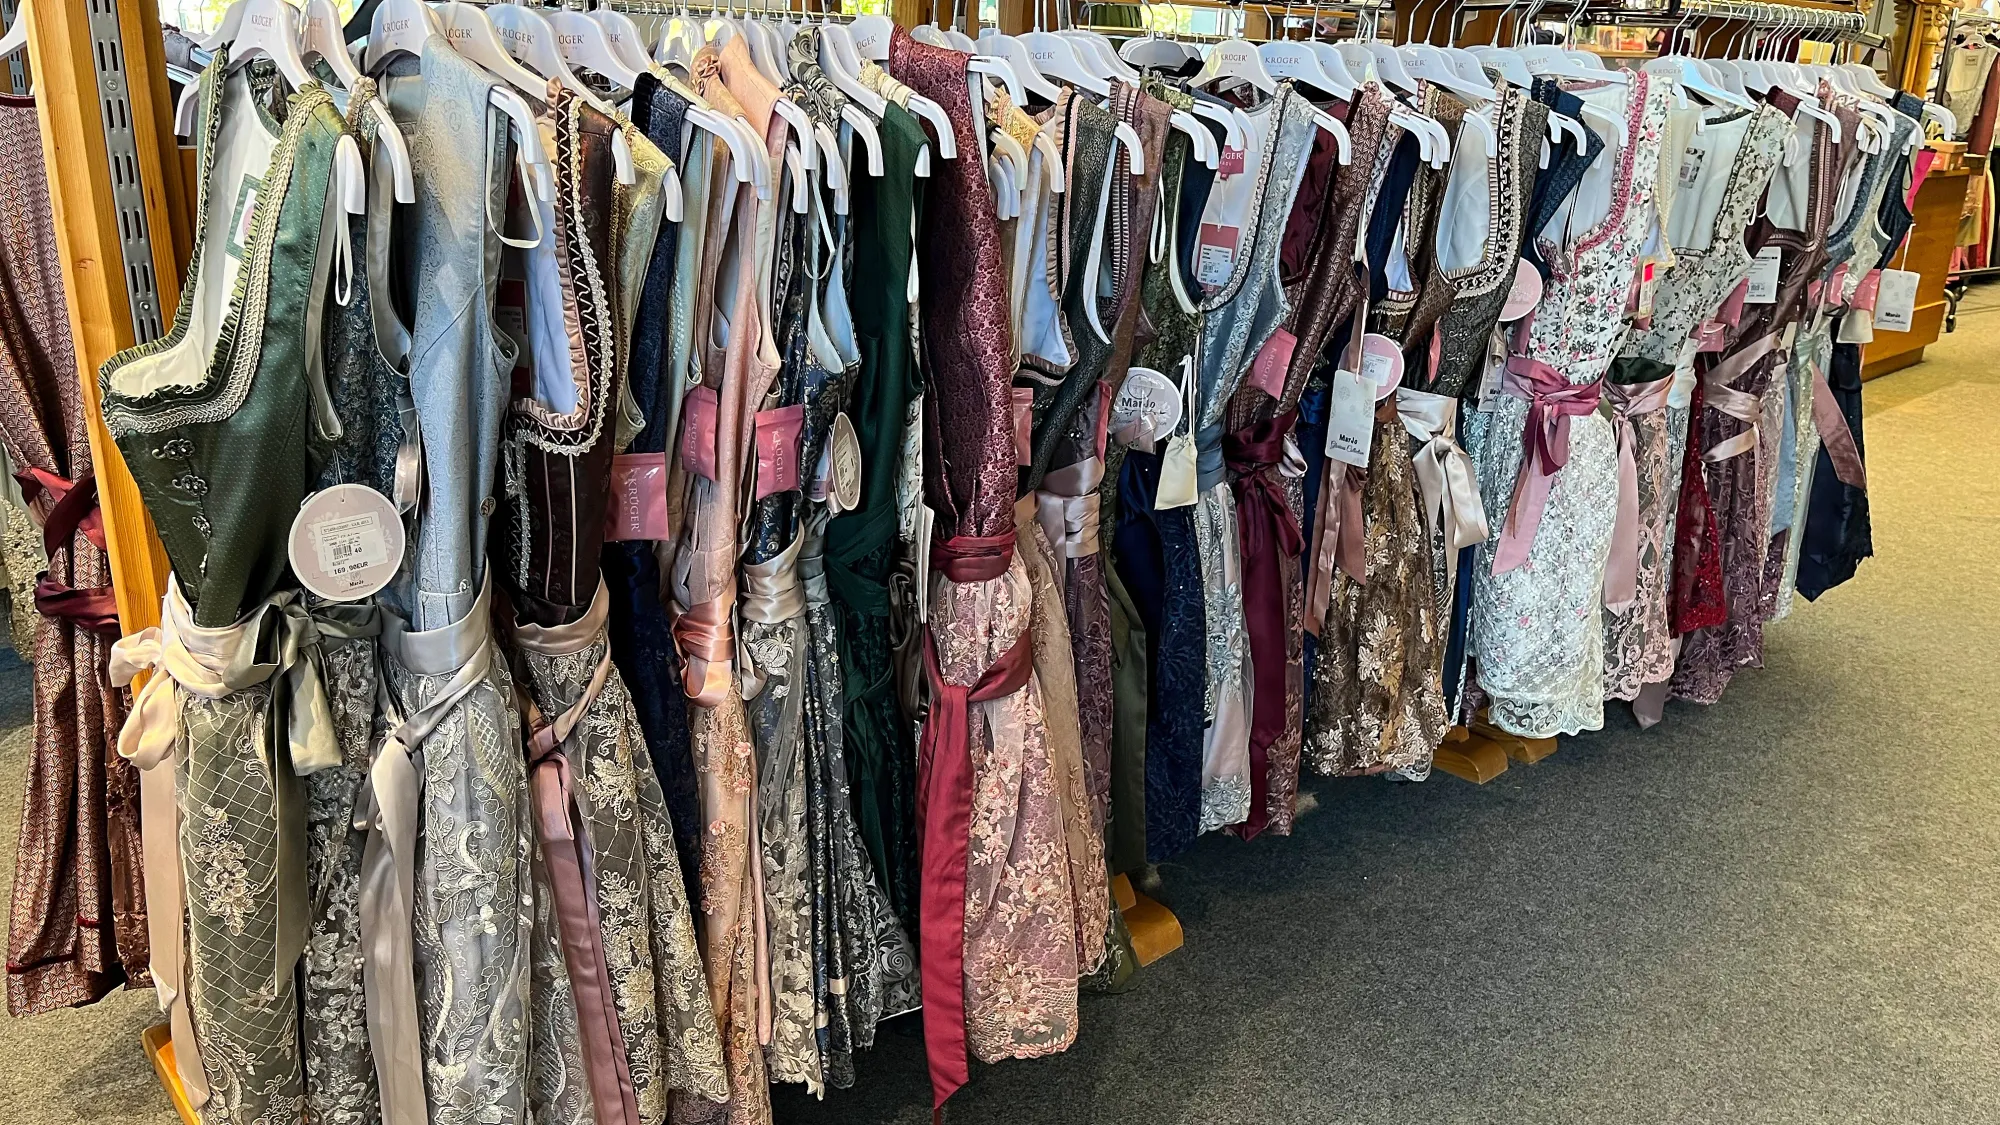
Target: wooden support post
(120,211)
(93,224)
(1470,757)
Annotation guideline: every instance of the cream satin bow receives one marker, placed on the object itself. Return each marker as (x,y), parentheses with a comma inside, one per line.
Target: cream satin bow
(1452,505)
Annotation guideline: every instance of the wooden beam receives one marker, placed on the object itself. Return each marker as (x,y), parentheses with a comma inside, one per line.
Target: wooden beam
(89,242)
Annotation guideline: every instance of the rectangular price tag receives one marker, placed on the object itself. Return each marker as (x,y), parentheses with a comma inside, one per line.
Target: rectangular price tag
(1350,419)
(1267,371)
(1763,280)
(778,435)
(1896,300)
(1215,254)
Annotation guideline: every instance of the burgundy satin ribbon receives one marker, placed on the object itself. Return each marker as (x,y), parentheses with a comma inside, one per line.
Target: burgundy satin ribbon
(970,558)
(944,819)
(73,508)
(1621,573)
(1552,402)
(566,858)
(1268,532)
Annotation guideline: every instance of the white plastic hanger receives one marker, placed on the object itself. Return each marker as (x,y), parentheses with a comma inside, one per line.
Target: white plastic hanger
(1285,58)
(1466,66)
(270,28)
(319,34)
(1239,59)
(870,37)
(403,25)
(582,41)
(626,40)
(1058,58)
(531,40)
(1009,49)
(17,32)
(1093,45)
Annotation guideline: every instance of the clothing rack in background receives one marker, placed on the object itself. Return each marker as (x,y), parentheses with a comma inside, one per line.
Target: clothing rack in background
(1956,280)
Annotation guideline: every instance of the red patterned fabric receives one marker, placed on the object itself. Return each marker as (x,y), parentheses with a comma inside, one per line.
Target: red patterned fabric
(79,915)
(1697,594)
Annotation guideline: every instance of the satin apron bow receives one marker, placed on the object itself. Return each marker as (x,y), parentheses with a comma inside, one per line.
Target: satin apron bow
(1628,401)
(1552,402)
(275,641)
(1445,478)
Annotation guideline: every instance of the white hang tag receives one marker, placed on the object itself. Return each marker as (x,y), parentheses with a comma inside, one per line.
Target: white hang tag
(1350,419)
(1763,288)
(1691,162)
(1896,301)
(346,542)
(1147,408)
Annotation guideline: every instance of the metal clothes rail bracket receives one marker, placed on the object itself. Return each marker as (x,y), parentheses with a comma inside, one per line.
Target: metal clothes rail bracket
(121,149)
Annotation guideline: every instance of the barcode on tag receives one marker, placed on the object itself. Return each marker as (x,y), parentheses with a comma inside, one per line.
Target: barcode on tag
(1691,162)
(1215,254)
(349,544)
(1763,279)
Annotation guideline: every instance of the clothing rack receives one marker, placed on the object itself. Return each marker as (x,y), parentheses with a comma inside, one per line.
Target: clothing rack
(1953,23)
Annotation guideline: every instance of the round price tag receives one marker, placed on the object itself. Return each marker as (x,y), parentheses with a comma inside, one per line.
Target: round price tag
(346,542)
(1147,408)
(1381,364)
(1526,293)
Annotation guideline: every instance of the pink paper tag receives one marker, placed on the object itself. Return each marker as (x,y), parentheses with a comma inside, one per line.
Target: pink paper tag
(1835,285)
(1526,293)
(1215,254)
(1267,371)
(1024,425)
(1864,293)
(638,508)
(1814,290)
(778,433)
(698,417)
(1732,306)
(1708,338)
(1381,364)
(1231,163)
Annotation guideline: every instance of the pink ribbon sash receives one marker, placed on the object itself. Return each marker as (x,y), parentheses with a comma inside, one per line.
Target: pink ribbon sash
(1552,402)
(1628,401)
(1743,407)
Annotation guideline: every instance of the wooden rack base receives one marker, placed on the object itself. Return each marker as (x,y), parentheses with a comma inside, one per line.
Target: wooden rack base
(158,1041)
(1479,752)
(1154,929)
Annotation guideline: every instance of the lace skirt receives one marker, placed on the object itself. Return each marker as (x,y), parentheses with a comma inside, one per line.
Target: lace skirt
(1537,636)
(339,1068)
(1225,759)
(1378,697)
(1639,643)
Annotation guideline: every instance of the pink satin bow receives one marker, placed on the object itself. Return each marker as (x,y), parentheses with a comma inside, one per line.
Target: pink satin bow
(1552,402)
(1621,574)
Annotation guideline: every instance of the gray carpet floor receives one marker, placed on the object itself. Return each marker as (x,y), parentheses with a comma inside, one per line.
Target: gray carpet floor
(1780,910)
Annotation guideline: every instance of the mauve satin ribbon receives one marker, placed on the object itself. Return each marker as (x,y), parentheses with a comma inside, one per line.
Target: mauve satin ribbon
(1621,574)
(1268,533)
(944,818)
(1337,535)
(1835,436)
(971,558)
(1745,408)
(1445,477)
(1552,401)
(1066,507)
(567,860)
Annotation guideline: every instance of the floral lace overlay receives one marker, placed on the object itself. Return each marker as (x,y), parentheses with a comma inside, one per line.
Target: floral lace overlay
(1020,924)
(245,1017)
(474,900)
(339,1068)
(647,926)
(1378,699)
(1537,631)
(1225,763)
